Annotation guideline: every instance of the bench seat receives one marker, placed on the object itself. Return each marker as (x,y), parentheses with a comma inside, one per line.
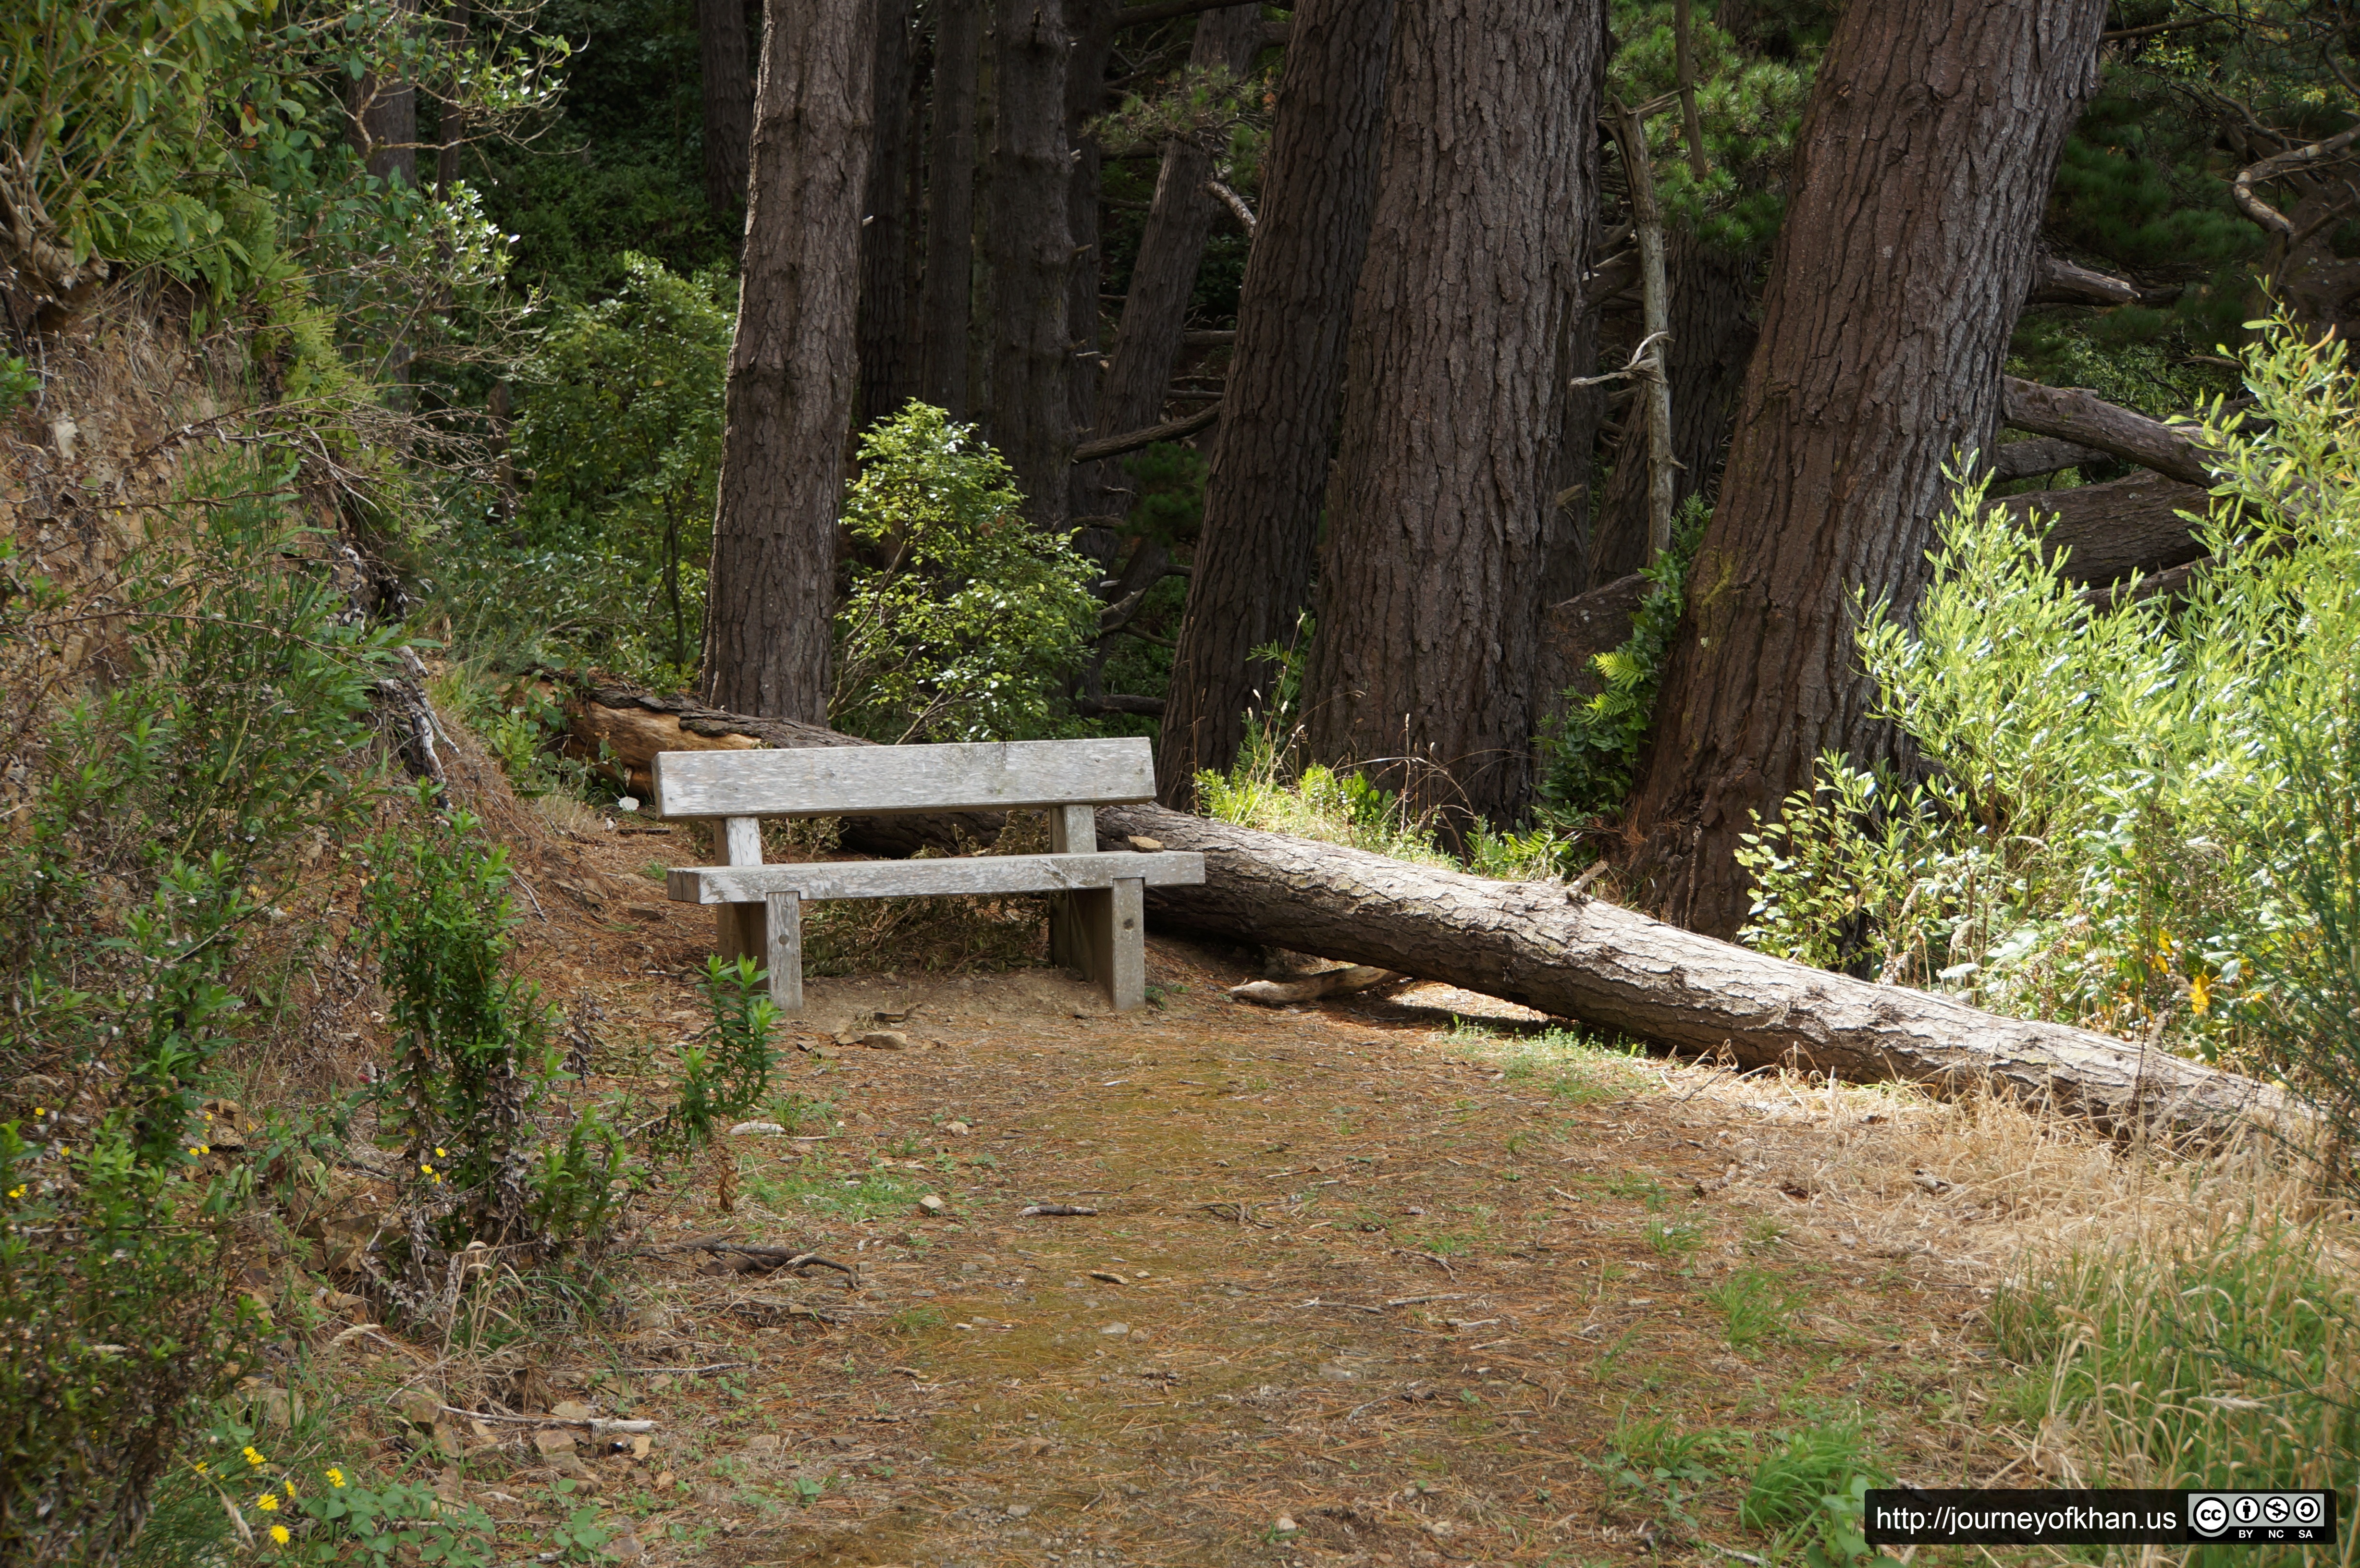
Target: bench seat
(909,878)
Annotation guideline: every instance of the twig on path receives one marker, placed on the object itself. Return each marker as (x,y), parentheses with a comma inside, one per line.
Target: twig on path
(1347,1306)
(681,1371)
(1417,1300)
(784,1257)
(1084,1210)
(1438,1262)
(1236,1214)
(698,1245)
(596,1426)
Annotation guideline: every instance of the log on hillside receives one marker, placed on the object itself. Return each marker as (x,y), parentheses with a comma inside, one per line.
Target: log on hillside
(1606,967)
(2113,529)
(2042,454)
(2073,414)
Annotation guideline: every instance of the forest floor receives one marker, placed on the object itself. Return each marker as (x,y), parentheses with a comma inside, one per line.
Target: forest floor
(1416,1279)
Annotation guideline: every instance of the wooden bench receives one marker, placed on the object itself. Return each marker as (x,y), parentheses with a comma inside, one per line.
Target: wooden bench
(1098,921)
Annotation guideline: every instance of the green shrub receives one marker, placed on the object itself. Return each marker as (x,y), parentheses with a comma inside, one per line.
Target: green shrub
(619,431)
(157,818)
(960,622)
(728,1073)
(474,1092)
(2110,827)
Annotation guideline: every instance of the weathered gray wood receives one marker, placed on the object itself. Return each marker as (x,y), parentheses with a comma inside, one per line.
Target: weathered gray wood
(886,778)
(983,874)
(1072,829)
(738,929)
(785,956)
(1125,975)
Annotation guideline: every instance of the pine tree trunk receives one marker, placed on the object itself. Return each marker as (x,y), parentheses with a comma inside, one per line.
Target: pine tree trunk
(1029,239)
(1164,279)
(950,206)
(1712,337)
(728,95)
(1430,574)
(793,366)
(1252,574)
(1091,24)
(888,378)
(1922,170)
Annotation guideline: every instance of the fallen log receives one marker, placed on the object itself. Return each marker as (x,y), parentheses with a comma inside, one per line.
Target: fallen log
(1609,968)
(2113,529)
(1343,982)
(2042,454)
(2073,414)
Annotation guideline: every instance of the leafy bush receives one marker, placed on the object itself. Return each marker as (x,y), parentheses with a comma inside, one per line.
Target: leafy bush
(960,622)
(729,1072)
(159,817)
(2111,830)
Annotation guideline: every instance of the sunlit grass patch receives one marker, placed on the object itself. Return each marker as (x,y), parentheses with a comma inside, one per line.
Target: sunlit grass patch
(813,1187)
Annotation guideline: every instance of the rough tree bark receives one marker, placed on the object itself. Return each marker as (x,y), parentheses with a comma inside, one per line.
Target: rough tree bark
(1171,244)
(385,118)
(729,101)
(950,206)
(888,378)
(1090,24)
(2113,529)
(1924,158)
(791,365)
(1531,942)
(1430,571)
(1712,337)
(1251,575)
(1028,238)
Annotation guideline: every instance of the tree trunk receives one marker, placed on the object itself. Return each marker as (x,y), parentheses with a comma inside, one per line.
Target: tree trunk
(1921,169)
(385,118)
(1252,574)
(1712,337)
(887,379)
(1430,573)
(793,366)
(451,133)
(1029,239)
(1091,24)
(1529,942)
(950,206)
(728,94)
(1163,280)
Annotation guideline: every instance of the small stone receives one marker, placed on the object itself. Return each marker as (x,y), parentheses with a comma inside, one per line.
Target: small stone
(1019,1510)
(756,1130)
(419,1406)
(957,1130)
(553,1440)
(933,1203)
(1284,1524)
(570,1409)
(884,1039)
(1147,846)
(763,1442)
(1116,1330)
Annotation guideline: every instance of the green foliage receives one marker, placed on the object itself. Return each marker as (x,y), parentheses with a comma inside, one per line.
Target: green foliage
(619,431)
(19,384)
(1587,763)
(959,621)
(728,1073)
(476,1061)
(1170,481)
(1750,102)
(2111,831)
(1792,1478)
(154,819)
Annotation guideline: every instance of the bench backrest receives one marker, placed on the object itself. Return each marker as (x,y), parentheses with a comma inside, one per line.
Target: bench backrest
(871,780)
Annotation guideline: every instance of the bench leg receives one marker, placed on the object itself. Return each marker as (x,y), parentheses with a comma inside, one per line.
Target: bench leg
(1072,829)
(1106,931)
(784,958)
(738,931)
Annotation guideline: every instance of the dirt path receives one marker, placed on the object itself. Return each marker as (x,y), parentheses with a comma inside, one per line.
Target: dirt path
(1365,1286)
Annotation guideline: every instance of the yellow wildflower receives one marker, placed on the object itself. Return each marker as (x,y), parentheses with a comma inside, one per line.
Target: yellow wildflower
(267,1502)
(289,1485)
(335,1477)
(16,1192)
(442,1154)
(252,1457)
(2200,993)
(278,1534)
